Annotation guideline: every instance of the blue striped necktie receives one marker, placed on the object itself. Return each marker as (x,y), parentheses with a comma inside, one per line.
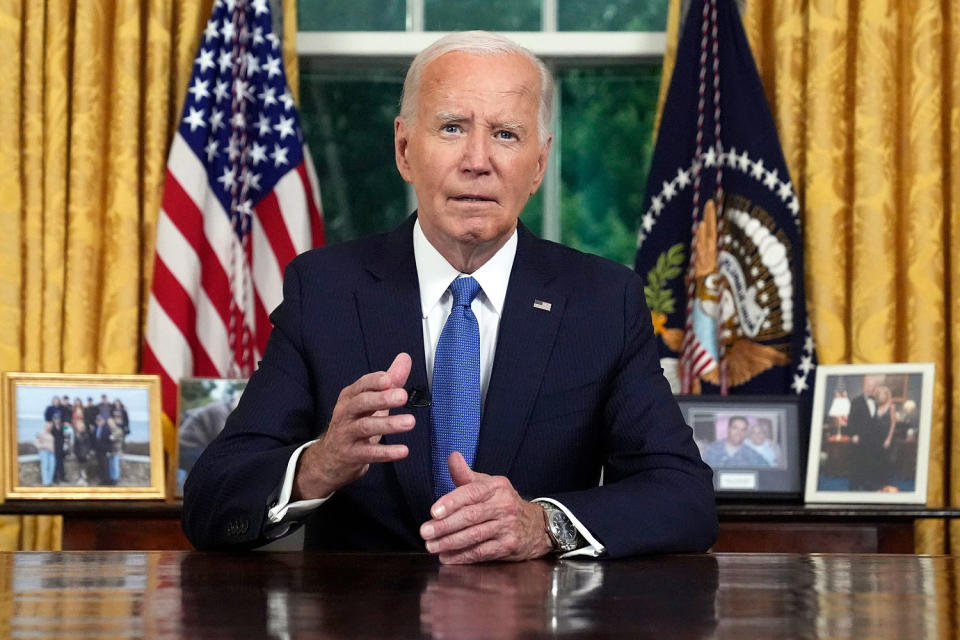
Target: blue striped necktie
(455,406)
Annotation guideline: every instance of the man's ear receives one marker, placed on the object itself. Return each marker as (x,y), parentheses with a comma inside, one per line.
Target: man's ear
(401,133)
(541,165)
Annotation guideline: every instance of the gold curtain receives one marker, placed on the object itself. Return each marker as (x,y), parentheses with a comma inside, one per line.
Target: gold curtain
(866,98)
(94,91)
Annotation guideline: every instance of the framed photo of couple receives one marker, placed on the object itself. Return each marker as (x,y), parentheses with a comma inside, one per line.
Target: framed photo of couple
(870,434)
(752,443)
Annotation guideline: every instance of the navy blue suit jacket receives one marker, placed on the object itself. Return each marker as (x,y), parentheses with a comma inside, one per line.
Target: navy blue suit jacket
(573,390)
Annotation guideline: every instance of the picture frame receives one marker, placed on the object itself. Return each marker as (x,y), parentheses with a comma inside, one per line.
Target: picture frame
(762,460)
(55,448)
(854,456)
(203,405)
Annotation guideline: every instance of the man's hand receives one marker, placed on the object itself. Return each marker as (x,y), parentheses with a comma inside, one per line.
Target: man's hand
(351,442)
(484,519)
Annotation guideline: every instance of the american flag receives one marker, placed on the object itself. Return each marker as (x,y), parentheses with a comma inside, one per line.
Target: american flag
(240,200)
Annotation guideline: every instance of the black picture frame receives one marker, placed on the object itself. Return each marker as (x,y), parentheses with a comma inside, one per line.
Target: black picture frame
(770,470)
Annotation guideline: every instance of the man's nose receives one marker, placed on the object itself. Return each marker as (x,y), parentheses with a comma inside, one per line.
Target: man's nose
(476,153)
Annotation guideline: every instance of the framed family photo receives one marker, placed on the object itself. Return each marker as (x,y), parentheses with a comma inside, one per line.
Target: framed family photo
(752,443)
(870,434)
(79,436)
(203,407)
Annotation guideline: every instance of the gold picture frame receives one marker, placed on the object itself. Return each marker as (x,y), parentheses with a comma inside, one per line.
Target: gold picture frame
(114,452)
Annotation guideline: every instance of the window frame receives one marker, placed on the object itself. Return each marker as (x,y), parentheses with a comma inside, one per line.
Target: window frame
(558,50)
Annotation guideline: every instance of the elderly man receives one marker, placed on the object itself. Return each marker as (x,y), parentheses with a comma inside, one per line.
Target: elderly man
(458,385)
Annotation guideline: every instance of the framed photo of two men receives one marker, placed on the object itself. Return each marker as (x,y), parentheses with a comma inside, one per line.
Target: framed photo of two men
(870,434)
(82,436)
(752,443)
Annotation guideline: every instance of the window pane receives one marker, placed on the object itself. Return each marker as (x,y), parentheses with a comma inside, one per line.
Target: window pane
(347,116)
(612,15)
(606,142)
(491,15)
(355,15)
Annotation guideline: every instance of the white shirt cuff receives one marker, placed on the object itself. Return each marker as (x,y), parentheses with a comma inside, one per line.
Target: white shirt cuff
(593,548)
(284,510)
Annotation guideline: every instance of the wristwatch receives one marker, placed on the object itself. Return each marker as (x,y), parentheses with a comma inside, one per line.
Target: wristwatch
(563,534)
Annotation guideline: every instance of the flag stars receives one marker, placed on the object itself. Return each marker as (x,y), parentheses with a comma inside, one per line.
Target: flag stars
(199,89)
(744,162)
(195,119)
(668,190)
(263,125)
(239,120)
(229,178)
(216,120)
(771,179)
(799,383)
(284,127)
(806,364)
(272,67)
(287,100)
(211,149)
(648,222)
(225,61)
(260,6)
(228,30)
(253,64)
(274,40)
(205,60)
(258,153)
(279,155)
(268,96)
(242,89)
(683,178)
(251,180)
(656,204)
(757,170)
(732,158)
(257,36)
(233,147)
(794,206)
(222,90)
(211,32)
(785,191)
(710,158)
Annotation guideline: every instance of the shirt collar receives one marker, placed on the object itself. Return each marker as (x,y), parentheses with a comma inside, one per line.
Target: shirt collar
(435,273)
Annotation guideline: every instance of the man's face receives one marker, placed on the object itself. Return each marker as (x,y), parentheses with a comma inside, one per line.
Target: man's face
(736,432)
(757,434)
(472,152)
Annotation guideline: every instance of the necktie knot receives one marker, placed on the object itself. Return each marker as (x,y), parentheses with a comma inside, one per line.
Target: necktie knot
(464,290)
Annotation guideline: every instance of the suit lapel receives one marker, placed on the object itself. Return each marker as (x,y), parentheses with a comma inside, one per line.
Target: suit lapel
(524,343)
(390,317)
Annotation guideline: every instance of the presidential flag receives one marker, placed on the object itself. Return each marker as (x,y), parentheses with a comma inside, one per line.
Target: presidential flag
(240,200)
(720,244)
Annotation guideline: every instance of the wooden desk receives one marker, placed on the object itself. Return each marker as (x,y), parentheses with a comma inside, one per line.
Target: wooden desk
(760,528)
(170,594)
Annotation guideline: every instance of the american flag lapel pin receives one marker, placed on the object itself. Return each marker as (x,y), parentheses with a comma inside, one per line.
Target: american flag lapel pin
(543,306)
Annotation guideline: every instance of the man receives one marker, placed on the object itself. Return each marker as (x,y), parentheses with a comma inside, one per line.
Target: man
(197,429)
(869,428)
(760,440)
(348,420)
(731,451)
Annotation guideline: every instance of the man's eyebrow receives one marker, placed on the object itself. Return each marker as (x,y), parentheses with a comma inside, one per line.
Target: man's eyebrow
(449,116)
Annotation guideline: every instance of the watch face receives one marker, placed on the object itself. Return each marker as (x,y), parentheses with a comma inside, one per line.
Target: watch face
(563,529)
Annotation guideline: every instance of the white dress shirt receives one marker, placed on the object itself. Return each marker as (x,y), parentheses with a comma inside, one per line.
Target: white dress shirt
(435,274)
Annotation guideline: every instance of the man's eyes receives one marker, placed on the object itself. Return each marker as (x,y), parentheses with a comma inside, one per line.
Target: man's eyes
(503,134)
(451,128)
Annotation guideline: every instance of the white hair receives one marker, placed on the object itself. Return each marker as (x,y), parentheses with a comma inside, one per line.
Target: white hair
(481,43)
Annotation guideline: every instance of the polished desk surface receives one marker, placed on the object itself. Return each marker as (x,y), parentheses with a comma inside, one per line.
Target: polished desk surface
(310,595)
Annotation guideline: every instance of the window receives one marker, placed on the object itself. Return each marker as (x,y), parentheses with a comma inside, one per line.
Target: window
(605,56)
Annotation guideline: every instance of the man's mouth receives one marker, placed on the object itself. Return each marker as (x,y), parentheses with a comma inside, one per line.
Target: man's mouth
(470,197)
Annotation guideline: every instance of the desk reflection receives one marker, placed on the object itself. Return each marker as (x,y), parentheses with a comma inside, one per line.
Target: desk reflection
(572,597)
(311,595)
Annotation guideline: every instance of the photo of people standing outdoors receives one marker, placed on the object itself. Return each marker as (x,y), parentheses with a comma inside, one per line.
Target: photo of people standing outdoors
(82,436)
